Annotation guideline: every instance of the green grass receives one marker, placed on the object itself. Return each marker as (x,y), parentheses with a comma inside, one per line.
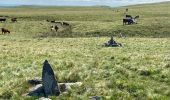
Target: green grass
(138,70)
(154,20)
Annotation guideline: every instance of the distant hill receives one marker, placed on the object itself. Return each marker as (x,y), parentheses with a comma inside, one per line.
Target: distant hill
(81,4)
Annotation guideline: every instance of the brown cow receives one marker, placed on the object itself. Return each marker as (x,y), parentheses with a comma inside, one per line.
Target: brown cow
(4,31)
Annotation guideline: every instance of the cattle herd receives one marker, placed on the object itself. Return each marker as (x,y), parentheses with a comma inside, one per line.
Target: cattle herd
(4,19)
(53,27)
(57,24)
(128,20)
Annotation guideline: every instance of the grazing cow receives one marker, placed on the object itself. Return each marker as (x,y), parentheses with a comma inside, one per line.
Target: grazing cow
(66,24)
(60,23)
(2,19)
(56,22)
(4,31)
(128,21)
(129,16)
(127,9)
(53,21)
(54,28)
(14,19)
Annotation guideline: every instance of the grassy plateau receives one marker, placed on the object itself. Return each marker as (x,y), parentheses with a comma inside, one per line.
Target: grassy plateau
(140,70)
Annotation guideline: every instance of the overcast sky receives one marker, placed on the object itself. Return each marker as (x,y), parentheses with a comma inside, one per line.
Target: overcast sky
(76,2)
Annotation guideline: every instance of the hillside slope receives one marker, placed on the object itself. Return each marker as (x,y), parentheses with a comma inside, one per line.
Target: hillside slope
(154,20)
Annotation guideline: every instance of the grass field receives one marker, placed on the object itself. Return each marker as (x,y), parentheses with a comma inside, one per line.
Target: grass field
(138,70)
(154,20)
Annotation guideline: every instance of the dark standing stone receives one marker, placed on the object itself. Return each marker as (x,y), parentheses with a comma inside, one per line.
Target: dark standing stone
(111,42)
(49,82)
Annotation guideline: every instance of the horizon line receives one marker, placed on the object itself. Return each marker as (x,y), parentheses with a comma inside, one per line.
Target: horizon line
(40,5)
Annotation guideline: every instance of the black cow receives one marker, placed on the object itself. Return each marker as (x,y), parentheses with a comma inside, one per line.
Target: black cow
(56,22)
(66,24)
(2,19)
(53,21)
(127,9)
(128,21)
(14,19)
(59,23)
(129,16)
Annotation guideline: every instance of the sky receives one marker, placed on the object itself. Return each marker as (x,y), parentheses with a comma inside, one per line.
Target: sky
(113,3)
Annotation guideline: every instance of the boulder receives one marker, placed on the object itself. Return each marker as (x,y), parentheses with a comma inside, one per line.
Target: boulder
(95,98)
(38,90)
(49,82)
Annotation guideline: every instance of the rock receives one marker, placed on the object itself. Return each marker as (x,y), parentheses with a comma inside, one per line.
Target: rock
(42,98)
(63,87)
(112,43)
(67,86)
(95,98)
(48,86)
(49,82)
(38,90)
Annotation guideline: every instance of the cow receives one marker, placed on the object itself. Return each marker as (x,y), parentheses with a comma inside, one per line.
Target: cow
(47,20)
(66,24)
(127,9)
(54,28)
(56,22)
(14,19)
(2,19)
(127,21)
(53,21)
(4,31)
(60,23)
(129,16)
